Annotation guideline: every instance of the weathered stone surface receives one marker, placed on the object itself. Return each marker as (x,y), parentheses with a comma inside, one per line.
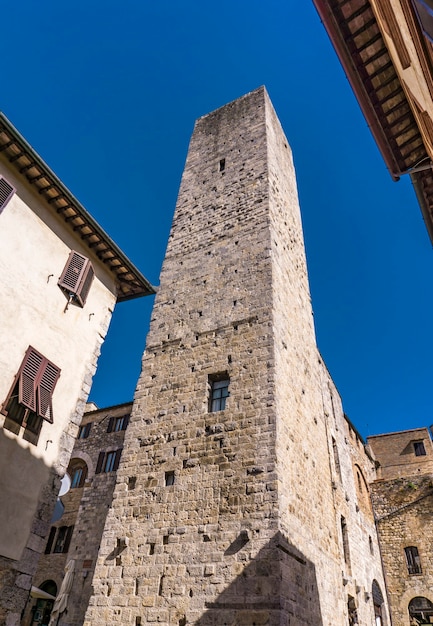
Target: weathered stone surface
(248,529)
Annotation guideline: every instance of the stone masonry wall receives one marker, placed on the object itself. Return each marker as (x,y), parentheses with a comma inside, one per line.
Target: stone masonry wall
(86,509)
(234,517)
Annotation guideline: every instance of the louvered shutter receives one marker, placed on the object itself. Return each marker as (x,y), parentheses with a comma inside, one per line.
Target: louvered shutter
(48,379)
(111,424)
(6,192)
(68,538)
(77,277)
(28,378)
(100,462)
(85,283)
(117,459)
(50,540)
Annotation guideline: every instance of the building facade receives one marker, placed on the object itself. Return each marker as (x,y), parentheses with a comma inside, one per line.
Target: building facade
(61,278)
(386,50)
(402,497)
(250,502)
(77,533)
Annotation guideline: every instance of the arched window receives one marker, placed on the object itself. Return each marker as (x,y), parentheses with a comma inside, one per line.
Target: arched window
(78,472)
(413,561)
(49,586)
(421,610)
(377,603)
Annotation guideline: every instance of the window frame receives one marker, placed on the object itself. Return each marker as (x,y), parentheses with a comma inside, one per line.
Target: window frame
(77,277)
(218,384)
(105,464)
(84,430)
(419,448)
(29,401)
(413,560)
(4,199)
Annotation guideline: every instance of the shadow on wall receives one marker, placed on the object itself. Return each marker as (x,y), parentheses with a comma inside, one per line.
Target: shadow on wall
(278,588)
(24,482)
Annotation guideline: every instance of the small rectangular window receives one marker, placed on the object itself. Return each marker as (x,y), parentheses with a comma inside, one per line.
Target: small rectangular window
(6,192)
(413,561)
(169,479)
(419,448)
(219,392)
(117,424)
(63,539)
(84,431)
(108,461)
(76,278)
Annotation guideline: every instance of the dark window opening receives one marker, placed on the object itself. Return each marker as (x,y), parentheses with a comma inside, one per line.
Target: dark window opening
(78,472)
(169,479)
(84,431)
(413,560)
(6,192)
(63,539)
(336,458)
(117,424)
(222,165)
(108,461)
(419,448)
(345,537)
(76,278)
(219,392)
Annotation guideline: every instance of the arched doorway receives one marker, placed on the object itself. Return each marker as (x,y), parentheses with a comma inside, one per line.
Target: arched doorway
(41,610)
(420,611)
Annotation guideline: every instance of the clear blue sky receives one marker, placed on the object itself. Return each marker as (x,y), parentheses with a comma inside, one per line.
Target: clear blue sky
(108,92)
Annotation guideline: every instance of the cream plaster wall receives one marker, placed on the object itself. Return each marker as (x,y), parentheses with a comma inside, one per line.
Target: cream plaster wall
(34,248)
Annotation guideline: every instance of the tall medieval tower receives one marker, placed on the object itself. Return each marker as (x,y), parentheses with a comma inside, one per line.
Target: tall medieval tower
(224,511)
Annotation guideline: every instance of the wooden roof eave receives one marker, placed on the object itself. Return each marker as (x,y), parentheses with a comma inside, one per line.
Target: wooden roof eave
(357,85)
(131,282)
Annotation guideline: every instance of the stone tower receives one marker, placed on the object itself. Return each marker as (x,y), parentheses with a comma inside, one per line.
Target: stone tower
(224,512)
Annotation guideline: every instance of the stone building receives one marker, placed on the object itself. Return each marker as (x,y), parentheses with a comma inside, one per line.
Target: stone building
(77,533)
(402,497)
(385,48)
(61,276)
(242,493)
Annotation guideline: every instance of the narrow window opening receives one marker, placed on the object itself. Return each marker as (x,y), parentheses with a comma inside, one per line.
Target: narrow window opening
(336,458)
(151,549)
(370,544)
(169,479)
(165,540)
(419,448)
(345,537)
(413,560)
(161,582)
(222,165)
(132,480)
(138,621)
(219,392)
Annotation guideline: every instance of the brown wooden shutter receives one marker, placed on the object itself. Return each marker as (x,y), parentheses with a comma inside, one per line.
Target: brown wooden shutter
(100,463)
(48,379)
(125,422)
(111,424)
(77,277)
(6,192)
(29,377)
(117,459)
(50,539)
(68,538)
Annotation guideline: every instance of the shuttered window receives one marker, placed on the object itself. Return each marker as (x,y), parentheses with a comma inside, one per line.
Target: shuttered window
(6,192)
(77,278)
(108,461)
(30,399)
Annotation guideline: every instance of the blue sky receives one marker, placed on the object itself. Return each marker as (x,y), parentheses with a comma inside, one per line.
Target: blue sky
(108,93)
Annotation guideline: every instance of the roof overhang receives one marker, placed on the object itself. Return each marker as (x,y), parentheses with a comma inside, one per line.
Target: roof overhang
(129,280)
(360,45)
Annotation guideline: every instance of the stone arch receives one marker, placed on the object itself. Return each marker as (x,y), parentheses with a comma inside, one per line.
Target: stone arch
(87,460)
(420,610)
(378,604)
